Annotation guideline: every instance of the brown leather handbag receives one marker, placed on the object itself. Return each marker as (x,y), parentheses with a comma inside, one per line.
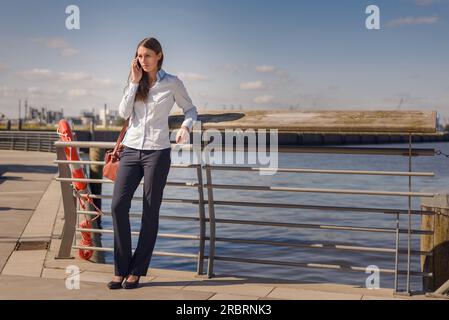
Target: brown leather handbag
(112,157)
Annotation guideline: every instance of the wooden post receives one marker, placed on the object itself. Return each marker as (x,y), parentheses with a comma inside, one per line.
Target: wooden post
(438,243)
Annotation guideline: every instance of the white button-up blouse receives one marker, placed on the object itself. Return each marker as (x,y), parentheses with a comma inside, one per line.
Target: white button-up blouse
(148,126)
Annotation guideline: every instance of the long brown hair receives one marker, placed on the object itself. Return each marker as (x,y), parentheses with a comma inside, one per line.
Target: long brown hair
(144,83)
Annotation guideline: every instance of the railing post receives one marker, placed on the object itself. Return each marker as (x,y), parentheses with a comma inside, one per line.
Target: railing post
(69,202)
(210,199)
(409,244)
(396,254)
(96,172)
(408,291)
(202,217)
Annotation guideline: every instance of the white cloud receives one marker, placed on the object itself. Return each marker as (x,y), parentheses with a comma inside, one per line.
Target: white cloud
(192,76)
(103,83)
(36,74)
(75,93)
(230,67)
(31,93)
(68,52)
(254,85)
(265,69)
(58,44)
(263,99)
(6,92)
(65,77)
(233,68)
(282,74)
(408,21)
(74,76)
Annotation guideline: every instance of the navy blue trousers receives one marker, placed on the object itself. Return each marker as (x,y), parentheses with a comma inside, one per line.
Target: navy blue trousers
(153,166)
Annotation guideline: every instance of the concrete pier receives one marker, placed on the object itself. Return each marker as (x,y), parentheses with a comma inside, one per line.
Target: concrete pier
(32,217)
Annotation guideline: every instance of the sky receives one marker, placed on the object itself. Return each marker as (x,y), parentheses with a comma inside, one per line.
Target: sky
(250,54)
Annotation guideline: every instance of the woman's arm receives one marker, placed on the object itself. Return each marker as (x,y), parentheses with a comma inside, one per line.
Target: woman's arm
(183,100)
(126,105)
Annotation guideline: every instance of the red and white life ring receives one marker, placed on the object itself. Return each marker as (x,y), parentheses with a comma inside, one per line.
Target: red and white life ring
(65,133)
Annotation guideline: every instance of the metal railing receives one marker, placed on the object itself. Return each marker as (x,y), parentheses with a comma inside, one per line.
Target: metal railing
(212,220)
(28,140)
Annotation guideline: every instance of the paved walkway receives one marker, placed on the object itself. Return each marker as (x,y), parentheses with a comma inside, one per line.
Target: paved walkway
(31,210)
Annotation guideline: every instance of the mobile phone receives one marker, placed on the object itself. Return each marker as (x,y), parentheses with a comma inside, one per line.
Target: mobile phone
(138,64)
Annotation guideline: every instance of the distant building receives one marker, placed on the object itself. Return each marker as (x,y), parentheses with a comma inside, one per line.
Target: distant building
(87,117)
(43,116)
(108,117)
(74,120)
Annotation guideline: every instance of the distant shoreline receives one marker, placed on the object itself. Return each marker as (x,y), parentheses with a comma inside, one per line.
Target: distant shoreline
(301,139)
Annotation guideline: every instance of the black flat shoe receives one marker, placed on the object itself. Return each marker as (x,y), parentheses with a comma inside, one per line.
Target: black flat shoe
(131,285)
(115,284)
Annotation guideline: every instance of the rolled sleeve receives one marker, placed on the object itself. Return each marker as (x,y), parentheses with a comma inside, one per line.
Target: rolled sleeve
(126,105)
(183,101)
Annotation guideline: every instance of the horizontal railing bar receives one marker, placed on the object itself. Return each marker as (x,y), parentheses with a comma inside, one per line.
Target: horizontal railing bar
(356,150)
(178,165)
(168,200)
(30,138)
(157,253)
(139,215)
(175,184)
(283,205)
(297,170)
(323,246)
(283,149)
(29,132)
(327,171)
(110,145)
(317,190)
(274,243)
(319,266)
(317,226)
(136,233)
(318,207)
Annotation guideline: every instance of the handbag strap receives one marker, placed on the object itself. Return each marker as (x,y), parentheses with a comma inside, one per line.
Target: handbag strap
(121,135)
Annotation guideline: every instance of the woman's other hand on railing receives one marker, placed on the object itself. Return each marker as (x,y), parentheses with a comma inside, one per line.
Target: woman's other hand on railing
(183,135)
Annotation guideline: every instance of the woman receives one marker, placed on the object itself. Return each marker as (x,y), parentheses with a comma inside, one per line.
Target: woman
(148,99)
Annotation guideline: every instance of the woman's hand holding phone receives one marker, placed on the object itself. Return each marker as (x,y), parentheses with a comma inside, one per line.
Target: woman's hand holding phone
(136,71)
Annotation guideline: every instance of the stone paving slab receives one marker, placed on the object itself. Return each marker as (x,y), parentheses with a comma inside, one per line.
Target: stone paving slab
(35,288)
(226,296)
(6,248)
(25,263)
(300,294)
(231,287)
(41,223)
